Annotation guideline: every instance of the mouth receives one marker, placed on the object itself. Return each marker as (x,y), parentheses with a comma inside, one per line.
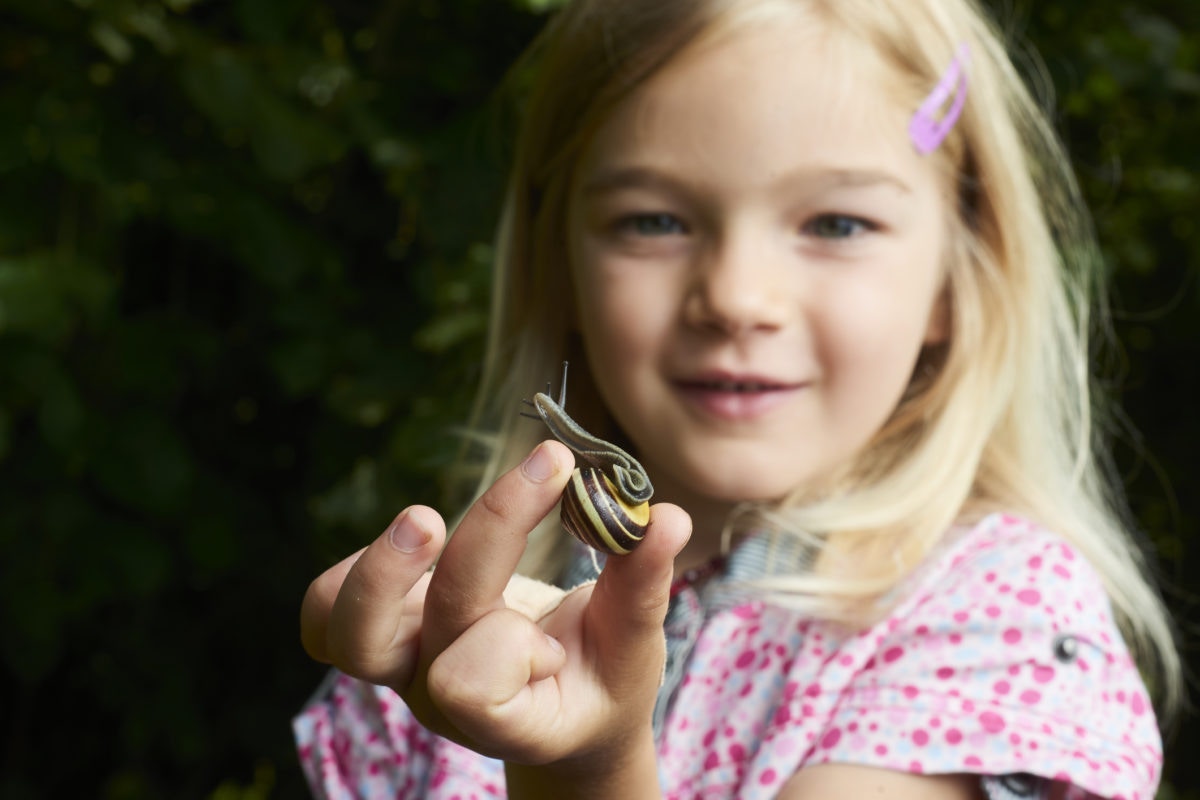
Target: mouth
(718,380)
(737,398)
(748,386)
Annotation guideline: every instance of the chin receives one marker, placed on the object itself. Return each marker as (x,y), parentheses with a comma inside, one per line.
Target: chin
(731,476)
(744,488)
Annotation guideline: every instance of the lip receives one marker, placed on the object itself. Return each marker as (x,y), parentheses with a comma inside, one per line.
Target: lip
(736,396)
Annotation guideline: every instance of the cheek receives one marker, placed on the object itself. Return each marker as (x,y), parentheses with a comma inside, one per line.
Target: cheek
(624,311)
(872,340)
(613,337)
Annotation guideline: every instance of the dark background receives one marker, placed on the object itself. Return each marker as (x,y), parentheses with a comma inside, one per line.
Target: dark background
(243,277)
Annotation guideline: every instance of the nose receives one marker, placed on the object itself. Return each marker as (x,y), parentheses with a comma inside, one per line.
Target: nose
(738,287)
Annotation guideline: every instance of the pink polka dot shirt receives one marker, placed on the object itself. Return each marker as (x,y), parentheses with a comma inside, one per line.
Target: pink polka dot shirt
(1003,660)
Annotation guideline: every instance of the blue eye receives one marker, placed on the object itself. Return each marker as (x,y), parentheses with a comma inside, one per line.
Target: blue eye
(838,226)
(652,224)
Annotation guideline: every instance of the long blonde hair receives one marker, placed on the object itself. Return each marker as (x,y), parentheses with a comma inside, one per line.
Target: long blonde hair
(1002,417)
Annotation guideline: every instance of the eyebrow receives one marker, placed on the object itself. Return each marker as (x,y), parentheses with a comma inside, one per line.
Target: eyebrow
(617,178)
(637,177)
(865,177)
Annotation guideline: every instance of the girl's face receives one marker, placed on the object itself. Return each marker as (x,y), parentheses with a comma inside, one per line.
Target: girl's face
(756,255)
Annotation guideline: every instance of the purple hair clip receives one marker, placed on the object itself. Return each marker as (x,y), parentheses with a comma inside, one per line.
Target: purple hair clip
(926,129)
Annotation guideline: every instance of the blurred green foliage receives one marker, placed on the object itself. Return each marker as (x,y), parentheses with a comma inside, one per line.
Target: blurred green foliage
(243,278)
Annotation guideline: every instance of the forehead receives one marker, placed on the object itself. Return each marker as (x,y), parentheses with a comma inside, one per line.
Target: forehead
(791,88)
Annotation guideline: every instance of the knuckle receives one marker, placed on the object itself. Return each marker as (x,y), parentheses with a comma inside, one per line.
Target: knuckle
(453,691)
(652,607)
(464,687)
(364,663)
(642,605)
(496,503)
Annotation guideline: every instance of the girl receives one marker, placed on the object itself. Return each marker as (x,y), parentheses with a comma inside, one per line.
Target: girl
(820,266)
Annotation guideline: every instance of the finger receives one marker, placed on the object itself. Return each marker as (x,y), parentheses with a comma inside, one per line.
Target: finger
(630,599)
(317,605)
(486,683)
(482,555)
(372,627)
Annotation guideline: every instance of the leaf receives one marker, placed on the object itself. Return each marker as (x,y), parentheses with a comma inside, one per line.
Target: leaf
(47,295)
(144,464)
(242,105)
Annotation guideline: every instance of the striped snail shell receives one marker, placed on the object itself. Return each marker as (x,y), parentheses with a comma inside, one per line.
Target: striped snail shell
(606,504)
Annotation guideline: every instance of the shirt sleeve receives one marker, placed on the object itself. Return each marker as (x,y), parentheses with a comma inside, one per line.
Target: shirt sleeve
(1012,666)
(356,740)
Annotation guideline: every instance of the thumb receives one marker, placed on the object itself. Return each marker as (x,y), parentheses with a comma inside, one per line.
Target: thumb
(630,599)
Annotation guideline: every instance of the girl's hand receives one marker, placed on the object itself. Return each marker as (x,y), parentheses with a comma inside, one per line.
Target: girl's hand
(573,691)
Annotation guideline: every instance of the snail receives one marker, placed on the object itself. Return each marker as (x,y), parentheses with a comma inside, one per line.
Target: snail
(606,504)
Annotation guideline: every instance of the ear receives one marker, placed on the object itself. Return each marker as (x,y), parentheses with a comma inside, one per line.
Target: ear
(937,329)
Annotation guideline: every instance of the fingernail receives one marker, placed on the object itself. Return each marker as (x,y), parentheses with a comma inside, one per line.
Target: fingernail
(555,644)
(540,465)
(407,536)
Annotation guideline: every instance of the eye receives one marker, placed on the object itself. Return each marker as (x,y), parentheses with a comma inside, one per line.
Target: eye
(658,224)
(838,226)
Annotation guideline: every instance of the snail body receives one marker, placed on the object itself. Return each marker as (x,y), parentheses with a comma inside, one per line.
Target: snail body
(606,504)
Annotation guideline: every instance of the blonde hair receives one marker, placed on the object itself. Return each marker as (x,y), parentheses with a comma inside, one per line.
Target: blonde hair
(1001,417)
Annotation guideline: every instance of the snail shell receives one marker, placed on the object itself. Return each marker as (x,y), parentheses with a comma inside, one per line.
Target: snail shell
(606,504)
(594,512)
